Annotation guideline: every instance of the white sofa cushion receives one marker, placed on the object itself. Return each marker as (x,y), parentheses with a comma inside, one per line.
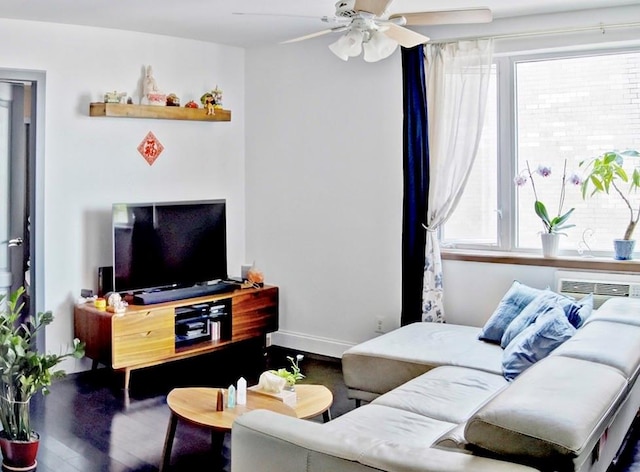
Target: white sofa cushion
(614,344)
(448,394)
(379,423)
(552,412)
(383,363)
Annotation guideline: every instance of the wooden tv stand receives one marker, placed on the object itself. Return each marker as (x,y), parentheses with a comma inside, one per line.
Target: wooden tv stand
(144,336)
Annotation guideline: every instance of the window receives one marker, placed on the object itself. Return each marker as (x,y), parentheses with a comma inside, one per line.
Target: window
(547,110)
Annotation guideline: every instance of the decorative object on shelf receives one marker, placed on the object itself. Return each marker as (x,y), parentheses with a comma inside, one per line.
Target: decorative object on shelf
(584,246)
(217,98)
(116,304)
(115,97)
(173,100)
(150,148)
(23,373)
(293,375)
(150,91)
(208,102)
(212,100)
(551,225)
(605,172)
(255,277)
(191,104)
(100,303)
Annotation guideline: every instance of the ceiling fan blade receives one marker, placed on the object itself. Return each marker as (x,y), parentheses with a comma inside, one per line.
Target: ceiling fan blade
(403,36)
(316,34)
(449,17)
(377,7)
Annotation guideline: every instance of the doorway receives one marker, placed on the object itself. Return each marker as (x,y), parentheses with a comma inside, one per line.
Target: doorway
(21,138)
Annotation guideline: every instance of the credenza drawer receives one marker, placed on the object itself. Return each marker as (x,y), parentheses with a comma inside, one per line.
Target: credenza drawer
(143,347)
(143,322)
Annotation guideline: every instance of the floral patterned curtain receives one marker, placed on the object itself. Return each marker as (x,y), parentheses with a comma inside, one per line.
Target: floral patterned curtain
(457,80)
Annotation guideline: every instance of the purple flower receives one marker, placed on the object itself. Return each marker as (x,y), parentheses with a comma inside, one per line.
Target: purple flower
(575,179)
(544,171)
(520,180)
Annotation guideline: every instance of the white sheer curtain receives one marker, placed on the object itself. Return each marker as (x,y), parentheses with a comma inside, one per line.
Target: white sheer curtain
(457,76)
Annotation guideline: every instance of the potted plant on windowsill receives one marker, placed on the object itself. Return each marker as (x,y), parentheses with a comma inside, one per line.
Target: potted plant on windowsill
(553,226)
(23,372)
(607,172)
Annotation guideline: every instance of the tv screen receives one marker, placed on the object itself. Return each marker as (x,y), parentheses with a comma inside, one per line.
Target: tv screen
(177,244)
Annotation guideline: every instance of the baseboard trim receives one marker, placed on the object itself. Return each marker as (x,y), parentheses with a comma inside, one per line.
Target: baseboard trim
(313,344)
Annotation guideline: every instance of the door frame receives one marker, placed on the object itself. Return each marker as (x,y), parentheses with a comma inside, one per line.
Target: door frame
(36,183)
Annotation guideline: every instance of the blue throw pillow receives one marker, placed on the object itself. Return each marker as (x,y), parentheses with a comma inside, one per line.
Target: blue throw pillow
(513,302)
(575,311)
(536,342)
(578,312)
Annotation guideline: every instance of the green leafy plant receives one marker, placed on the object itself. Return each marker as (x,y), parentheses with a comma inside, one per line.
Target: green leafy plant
(557,223)
(607,172)
(294,374)
(23,370)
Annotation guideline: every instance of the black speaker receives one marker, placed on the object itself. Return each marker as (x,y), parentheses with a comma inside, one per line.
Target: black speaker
(105,280)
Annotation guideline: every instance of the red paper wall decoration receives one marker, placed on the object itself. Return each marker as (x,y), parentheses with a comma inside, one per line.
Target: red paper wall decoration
(150,148)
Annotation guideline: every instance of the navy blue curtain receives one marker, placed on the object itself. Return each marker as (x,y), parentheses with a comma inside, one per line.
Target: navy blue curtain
(416,182)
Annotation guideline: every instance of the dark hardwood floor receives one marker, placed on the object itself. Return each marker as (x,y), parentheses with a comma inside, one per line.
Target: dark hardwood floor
(88,424)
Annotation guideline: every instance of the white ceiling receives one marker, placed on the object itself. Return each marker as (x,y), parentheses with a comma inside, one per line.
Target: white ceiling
(215,21)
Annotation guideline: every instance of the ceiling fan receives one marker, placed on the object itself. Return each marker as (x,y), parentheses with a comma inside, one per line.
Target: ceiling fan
(368,26)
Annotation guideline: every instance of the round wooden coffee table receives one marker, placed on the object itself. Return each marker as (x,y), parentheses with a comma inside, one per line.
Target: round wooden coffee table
(197,405)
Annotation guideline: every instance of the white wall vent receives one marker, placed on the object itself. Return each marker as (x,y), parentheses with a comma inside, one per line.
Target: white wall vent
(603,285)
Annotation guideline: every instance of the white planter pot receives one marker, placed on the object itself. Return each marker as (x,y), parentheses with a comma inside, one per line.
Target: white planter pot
(550,243)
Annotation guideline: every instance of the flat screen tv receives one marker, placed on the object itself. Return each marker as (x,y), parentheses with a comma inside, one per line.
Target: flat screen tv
(168,244)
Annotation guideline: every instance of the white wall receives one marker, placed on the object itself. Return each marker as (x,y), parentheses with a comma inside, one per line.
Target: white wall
(91,163)
(324,186)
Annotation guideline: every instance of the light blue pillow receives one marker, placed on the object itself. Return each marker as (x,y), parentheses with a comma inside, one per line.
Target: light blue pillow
(513,302)
(536,342)
(575,311)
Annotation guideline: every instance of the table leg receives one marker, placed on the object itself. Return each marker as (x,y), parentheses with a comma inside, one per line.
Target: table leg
(168,443)
(127,377)
(326,416)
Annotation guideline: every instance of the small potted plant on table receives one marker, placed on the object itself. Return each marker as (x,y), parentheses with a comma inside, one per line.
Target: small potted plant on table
(606,172)
(23,372)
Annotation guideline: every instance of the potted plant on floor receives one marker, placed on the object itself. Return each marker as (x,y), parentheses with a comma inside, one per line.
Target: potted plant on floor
(606,172)
(23,372)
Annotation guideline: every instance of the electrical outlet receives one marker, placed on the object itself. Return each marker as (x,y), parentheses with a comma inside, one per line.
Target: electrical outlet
(379,325)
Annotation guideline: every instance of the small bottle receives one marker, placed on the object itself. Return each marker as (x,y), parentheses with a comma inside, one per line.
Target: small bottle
(231,400)
(241,394)
(220,401)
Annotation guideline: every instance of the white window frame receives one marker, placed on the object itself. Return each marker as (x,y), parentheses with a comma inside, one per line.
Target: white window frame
(507,148)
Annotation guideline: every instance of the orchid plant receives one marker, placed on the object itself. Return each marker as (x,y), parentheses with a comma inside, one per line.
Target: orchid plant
(559,222)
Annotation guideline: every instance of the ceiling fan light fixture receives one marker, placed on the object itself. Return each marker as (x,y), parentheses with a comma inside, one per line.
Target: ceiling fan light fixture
(379,47)
(348,45)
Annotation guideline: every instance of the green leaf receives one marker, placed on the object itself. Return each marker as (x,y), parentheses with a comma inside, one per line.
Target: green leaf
(541,211)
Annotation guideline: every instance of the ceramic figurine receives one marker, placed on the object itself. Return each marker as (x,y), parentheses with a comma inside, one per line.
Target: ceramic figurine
(209,103)
(217,97)
(151,93)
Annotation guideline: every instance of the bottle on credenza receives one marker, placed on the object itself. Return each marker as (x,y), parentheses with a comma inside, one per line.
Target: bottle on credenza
(241,393)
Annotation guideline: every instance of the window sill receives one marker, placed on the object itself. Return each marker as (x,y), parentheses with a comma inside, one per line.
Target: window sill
(565,262)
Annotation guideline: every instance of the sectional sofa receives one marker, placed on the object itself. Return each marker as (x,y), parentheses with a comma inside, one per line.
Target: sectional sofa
(438,400)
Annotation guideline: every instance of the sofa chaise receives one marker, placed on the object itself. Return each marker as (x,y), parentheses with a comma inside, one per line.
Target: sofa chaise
(438,401)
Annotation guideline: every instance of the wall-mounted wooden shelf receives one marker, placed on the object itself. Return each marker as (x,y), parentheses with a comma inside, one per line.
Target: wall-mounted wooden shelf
(118,110)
